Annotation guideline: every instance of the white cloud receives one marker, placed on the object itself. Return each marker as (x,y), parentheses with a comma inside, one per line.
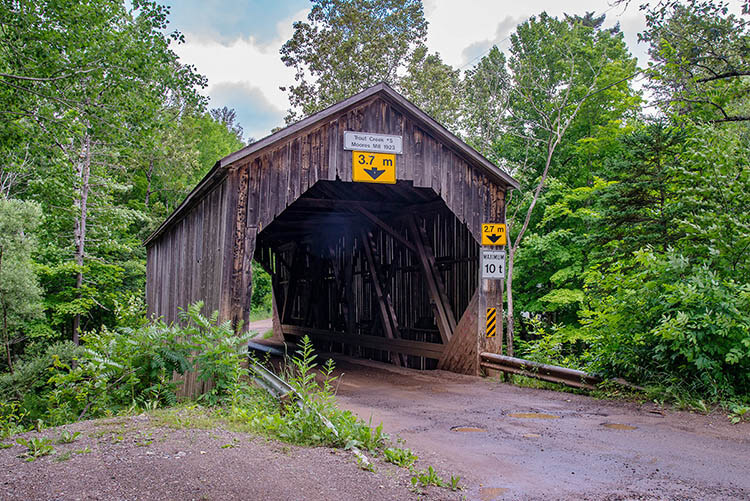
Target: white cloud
(244,62)
(460,31)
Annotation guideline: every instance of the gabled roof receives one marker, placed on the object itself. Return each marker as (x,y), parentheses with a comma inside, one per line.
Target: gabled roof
(382,90)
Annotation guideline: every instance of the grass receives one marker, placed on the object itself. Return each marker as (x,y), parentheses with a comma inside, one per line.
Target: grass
(257,315)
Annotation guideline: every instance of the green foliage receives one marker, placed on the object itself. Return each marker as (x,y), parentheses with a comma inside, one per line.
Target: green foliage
(699,53)
(262,299)
(11,417)
(20,299)
(346,46)
(27,388)
(665,315)
(68,437)
(36,447)
(218,350)
(738,412)
(428,477)
(433,86)
(404,458)
(121,369)
(300,423)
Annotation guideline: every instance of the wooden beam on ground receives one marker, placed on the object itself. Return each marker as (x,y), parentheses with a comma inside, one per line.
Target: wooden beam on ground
(387,313)
(446,321)
(404,346)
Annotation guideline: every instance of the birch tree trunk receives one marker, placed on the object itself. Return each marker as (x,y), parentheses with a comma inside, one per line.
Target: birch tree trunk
(83,172)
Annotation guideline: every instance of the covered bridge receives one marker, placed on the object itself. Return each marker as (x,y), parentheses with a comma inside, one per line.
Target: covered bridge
(367,216)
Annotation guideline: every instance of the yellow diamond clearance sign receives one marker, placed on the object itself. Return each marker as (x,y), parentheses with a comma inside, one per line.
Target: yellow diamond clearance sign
(369,167)
(493,234)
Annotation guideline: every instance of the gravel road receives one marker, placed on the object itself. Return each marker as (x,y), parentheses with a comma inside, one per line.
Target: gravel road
(504,441)
(521,443)
(133,458)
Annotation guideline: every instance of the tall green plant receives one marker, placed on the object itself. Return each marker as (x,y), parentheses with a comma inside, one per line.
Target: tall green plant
(663,317)
(218,350)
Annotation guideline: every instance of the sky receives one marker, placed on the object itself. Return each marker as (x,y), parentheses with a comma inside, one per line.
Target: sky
(235,43)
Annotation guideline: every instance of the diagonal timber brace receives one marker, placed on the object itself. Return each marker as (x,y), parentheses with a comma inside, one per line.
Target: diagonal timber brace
(446,320)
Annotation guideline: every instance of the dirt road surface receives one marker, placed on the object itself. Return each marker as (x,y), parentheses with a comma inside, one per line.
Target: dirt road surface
(261,326)
(521,443)
(135,458)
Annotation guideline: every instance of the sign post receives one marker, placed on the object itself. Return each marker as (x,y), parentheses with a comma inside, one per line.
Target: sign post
(491,275)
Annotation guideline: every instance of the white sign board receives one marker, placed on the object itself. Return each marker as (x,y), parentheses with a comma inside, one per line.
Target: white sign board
(369,141)
(493,263)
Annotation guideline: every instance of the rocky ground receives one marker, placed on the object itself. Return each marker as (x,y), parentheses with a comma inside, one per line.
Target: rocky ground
(145,458)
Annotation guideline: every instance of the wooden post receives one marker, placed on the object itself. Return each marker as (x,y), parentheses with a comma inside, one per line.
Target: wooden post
(490,296)
(387,313)
(446,321)
(291,287)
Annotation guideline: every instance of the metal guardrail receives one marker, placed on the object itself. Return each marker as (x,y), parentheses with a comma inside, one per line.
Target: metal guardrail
(551,373)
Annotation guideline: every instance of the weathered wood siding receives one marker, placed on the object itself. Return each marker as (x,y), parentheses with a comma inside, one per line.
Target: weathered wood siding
(273,178)
(186,263)
(395,292)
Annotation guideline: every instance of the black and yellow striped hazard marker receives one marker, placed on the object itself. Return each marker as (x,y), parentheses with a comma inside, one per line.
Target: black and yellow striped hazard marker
(491,322)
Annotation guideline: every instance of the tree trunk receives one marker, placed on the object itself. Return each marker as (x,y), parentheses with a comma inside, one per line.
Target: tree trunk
(552,143)
(509,287)
(148,177)
(6,337)
(83,170)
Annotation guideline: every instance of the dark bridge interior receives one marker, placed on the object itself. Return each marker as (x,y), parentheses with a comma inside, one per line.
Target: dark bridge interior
(372,270)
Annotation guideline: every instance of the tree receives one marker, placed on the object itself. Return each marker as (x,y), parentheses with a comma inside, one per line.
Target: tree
(435,87)
(700,59)
(556,70)
(93,78)
(485,103)
(346,46)
(20,299)
(228,118)
(639,207)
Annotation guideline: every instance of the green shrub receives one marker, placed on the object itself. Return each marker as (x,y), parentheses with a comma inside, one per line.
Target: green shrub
(662,318)
(122,369)
(218,350)
(300,423)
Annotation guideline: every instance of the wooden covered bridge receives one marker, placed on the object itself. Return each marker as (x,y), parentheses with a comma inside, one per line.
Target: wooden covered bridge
(367,216)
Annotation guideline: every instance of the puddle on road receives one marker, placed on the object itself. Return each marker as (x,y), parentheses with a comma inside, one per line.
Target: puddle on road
(533,415)
(619,426)
(468,429)
(491,493)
